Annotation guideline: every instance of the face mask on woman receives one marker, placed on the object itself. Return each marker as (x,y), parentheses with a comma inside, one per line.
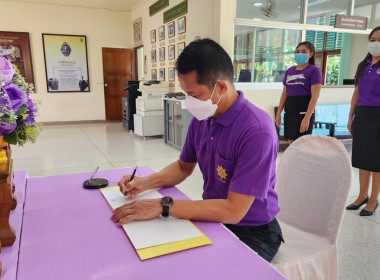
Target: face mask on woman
(201,109)
(374,48)
(301,58)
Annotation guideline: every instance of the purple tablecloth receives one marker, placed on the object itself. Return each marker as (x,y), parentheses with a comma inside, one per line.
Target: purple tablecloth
(9,255)
(67,234)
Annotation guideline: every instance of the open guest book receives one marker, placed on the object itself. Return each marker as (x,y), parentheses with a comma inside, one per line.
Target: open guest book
(159,236)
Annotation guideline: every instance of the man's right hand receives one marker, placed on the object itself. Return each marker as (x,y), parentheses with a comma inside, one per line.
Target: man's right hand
(131,189)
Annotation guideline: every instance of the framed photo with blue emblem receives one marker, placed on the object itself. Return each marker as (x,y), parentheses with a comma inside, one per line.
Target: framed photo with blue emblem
(171,74)
(153,36)
(153,56)
(161,33)
(171,29)
(161,74)
(154,74)
(137,32)
(182,25)
(66,65)
(171,52)
(161,54)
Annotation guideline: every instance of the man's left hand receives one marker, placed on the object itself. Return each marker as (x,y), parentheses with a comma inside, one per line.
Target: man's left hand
(144,209)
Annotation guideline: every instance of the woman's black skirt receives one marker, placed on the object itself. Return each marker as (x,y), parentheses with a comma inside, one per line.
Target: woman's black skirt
(295,109)
(366,138)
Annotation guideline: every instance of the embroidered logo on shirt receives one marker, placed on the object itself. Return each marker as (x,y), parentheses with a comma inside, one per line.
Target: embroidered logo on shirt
(221,173)
(290,78)
(378,71)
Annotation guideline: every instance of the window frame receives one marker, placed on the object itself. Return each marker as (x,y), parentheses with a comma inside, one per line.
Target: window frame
(292,26)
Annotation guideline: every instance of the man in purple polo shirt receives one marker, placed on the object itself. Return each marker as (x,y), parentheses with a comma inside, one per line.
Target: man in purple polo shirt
(235,145)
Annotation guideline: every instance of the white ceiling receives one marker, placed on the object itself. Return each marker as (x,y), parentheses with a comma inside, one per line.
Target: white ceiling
(114,5)
(287,10)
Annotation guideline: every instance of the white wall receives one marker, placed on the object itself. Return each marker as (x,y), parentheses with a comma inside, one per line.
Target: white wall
(358,51)
(103,28)
(376,20)
(360,42)
(224,14)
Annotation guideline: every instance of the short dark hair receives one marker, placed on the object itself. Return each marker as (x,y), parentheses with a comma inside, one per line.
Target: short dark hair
(362,65)
(208,59)
(311,48)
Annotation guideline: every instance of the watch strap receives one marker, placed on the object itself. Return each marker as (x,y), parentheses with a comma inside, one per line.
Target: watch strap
(166,202)
(165,211)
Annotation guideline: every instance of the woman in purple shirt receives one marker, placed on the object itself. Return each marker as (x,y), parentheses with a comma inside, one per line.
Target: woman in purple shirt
(364,125)
(302,84)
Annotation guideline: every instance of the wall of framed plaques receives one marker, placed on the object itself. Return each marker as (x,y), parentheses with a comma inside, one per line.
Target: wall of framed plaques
(167,40)
(170,25)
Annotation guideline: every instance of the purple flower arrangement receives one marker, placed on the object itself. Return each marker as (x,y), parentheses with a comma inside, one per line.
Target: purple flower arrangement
(17,110)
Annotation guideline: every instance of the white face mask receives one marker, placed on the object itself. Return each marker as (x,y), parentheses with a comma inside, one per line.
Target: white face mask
(374,48)
(201,109)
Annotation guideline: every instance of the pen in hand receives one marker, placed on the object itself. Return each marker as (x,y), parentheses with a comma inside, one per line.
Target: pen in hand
(130,179)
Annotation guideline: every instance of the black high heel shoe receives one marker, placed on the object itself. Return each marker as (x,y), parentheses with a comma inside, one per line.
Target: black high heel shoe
(356,207)
(368,213)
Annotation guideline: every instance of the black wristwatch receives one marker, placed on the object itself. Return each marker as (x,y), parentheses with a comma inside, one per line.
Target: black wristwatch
(166,202)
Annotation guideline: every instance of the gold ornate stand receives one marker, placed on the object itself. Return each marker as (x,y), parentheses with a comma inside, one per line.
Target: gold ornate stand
(7,200)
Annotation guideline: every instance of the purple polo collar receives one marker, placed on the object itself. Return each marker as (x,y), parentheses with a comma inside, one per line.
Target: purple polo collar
(230,115)
(369,61)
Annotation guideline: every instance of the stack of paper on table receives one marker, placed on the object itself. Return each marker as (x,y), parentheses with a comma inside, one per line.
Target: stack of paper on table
(159,236)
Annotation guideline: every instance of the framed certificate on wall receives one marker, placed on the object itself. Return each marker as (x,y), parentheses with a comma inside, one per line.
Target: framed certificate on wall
(66,64)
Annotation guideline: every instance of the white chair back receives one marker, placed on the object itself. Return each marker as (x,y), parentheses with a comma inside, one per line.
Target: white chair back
(313,181)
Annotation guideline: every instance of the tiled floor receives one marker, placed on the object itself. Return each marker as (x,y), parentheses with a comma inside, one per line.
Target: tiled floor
(65,149)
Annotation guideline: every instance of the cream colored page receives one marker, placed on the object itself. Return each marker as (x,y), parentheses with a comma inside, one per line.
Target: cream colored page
(153,232)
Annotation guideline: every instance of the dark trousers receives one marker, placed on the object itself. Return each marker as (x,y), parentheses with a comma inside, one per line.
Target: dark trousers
(265,240)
